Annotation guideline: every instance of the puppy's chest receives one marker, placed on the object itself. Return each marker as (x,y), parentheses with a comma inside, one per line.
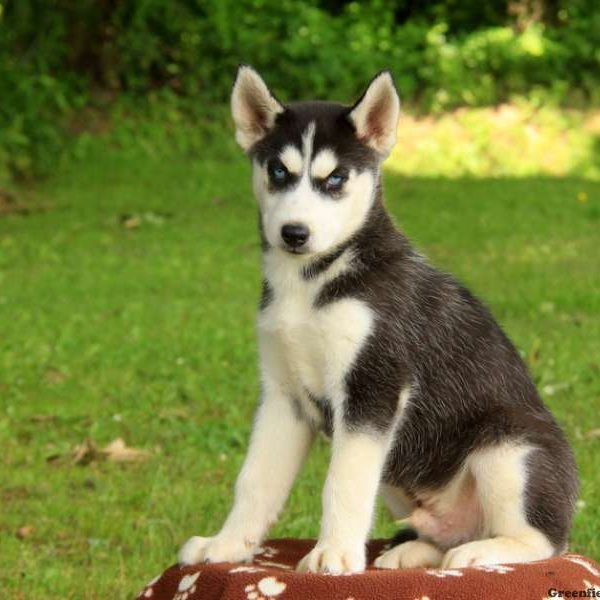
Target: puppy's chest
(310,348)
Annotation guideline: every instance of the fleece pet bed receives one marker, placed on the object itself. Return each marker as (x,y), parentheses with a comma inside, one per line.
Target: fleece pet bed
(271,576)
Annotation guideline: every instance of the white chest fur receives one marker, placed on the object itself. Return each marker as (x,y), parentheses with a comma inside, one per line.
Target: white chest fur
(307,350)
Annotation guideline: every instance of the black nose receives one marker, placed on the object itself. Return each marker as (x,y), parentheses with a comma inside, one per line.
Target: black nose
(295,234)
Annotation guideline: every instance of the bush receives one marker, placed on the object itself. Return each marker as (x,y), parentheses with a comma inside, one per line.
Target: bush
(57,56)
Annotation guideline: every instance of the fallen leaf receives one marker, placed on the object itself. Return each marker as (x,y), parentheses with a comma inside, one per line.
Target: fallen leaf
(53,376)
(155,218)
(25,531)
(118,451)
(43,418)
(533,356)
(89,452)
(10,204)
(85,453)
(175,413)
(552,388)
(14,494)
(134,221)
(592,434)
(130,221)
(6,197)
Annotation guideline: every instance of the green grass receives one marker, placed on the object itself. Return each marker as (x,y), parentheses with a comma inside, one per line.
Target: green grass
(147,333)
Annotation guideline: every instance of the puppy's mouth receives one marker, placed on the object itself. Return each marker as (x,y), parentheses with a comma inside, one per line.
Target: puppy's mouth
(292,250)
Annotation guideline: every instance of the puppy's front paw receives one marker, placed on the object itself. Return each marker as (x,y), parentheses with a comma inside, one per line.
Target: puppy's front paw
(215,549)
(193,550)
(334,558)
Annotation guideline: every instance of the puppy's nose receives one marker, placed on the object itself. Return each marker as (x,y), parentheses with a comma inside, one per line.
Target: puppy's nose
(295,234)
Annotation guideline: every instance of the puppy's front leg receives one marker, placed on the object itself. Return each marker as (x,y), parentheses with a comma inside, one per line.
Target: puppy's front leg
(349,494)
(280,441)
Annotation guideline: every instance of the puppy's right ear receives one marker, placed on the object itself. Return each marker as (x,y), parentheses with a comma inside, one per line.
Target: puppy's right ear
(375,115)
(253,107)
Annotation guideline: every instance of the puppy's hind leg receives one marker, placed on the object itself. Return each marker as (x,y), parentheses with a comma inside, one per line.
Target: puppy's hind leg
(501,475)
(406,550)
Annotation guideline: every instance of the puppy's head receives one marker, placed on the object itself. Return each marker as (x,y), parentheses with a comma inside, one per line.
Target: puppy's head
(315,164)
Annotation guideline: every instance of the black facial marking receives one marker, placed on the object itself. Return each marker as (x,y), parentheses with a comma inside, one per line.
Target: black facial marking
(314,269)
(333,184)
(279,177)
(333,130)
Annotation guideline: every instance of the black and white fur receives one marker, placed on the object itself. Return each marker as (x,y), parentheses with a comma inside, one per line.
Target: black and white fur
(425,399)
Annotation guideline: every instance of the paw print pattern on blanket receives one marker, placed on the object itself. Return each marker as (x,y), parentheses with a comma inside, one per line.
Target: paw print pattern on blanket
(583,563)
(273,578)
(245,569)
(267,552)
(263,556)
(186,587)
(266,589)
(595,587)
(148,590)
(441,573)
(502,569)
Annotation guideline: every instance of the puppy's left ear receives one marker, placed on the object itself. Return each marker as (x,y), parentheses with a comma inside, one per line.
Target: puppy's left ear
(375,115)
(253,107)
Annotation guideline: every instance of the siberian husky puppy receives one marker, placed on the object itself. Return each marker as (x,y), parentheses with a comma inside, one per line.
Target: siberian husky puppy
(424,398)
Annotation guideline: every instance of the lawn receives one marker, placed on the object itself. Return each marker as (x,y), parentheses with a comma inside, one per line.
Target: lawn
(127,303)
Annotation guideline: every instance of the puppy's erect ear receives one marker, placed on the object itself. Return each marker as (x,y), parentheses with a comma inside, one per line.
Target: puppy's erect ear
(253,107)
(375,115)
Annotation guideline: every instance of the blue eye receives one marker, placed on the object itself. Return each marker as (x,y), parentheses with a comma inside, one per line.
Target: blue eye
(277,172)
(334,181)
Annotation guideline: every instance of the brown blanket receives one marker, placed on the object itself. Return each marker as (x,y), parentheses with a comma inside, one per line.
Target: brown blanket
(271,576)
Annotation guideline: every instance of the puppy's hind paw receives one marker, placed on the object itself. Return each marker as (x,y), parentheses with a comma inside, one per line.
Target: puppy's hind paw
(410,555)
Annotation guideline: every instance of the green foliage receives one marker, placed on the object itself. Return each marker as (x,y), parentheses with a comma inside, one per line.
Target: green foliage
(518,139)
(56,56)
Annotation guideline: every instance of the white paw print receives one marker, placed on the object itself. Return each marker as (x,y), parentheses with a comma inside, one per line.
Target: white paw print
(595,587)
(266,589)
(244,569)
(148,591)
(186,587)
(264,554)
(502,569)
(583,563)
(444,573)
(267,551)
